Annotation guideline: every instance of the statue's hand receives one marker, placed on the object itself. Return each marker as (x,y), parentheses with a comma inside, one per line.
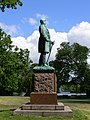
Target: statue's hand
(53,42)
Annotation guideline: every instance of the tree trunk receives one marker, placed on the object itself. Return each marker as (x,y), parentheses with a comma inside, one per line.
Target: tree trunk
(88,93)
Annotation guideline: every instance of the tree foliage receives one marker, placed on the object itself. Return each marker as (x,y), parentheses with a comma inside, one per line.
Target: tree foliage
(71,65)
(15,72)
(9,4)
(87,82)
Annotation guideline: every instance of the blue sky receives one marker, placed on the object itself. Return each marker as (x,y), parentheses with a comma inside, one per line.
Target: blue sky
(66,19)
(61,14)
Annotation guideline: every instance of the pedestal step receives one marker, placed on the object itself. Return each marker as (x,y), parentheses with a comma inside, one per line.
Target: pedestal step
(59,106)
(44,110)
(66,112)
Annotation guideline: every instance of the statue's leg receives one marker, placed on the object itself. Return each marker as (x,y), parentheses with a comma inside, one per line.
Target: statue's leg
(42,59)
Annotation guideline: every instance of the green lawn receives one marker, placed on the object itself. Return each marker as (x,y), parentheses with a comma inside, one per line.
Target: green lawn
(81,109)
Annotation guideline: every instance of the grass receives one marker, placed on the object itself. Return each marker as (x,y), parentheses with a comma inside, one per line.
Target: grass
(10,103)
(81,110)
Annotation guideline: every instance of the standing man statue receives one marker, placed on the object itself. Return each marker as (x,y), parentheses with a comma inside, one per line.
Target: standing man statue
(45,44)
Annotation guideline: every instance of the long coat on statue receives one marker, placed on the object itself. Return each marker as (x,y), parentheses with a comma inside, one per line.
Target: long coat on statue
(44,43)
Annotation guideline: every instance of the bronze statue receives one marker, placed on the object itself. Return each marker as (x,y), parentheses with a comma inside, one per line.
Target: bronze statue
(45,44)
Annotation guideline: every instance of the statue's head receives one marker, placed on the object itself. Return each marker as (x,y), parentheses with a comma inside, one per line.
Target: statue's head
(43,21)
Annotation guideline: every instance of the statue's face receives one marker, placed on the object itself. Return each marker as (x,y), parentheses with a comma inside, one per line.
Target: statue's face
(43,22)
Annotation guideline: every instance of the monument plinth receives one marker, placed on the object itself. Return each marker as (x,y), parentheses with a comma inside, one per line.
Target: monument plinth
(44,80)
(43,99)
(44,86)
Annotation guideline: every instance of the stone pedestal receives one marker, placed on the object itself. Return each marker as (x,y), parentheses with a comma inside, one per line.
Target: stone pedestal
(44,87)
(43,99)
(45,82)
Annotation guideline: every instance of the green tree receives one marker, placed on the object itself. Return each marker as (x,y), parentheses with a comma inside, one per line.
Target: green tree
(9,4)
(25,72)
(71,64)
(15,72)
(87,81)
(5,63)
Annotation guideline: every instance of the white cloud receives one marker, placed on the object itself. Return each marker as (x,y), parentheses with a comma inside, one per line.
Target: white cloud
(58,37)
(30,43)
(78,33)
(41,16)
(32,21)
(88,60)
(10,29)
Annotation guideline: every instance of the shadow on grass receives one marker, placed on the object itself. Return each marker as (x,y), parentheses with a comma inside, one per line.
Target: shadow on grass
(74,101)
(7,110)
(66,99)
